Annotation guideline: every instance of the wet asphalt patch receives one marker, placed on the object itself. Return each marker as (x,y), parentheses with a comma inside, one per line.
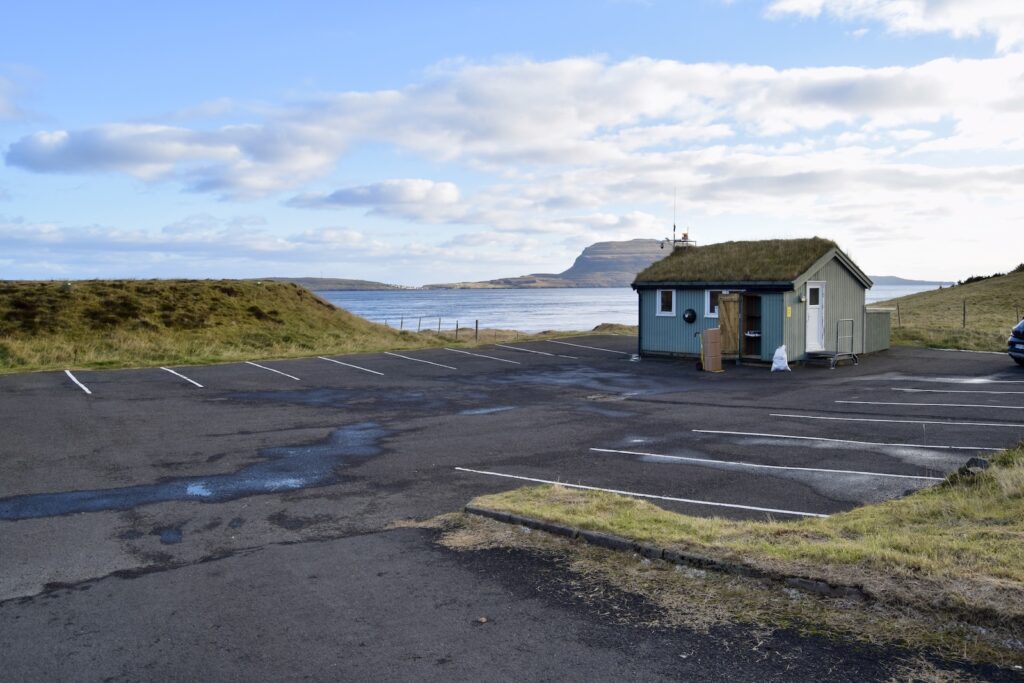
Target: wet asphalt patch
(282,469)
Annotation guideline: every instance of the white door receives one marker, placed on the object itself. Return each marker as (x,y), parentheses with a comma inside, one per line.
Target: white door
(815,316)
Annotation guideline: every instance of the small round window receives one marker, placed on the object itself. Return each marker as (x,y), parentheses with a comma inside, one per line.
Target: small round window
(689,315)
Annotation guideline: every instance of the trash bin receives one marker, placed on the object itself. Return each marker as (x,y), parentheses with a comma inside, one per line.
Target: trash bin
(712,344)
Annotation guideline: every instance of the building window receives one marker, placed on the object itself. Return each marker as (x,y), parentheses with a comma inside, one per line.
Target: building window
(666,302)
(711,301)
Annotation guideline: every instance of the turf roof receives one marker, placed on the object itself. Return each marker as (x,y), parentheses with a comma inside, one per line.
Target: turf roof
(753,261)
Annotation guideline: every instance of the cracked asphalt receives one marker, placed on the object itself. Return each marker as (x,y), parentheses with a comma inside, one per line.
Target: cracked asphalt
(155,528)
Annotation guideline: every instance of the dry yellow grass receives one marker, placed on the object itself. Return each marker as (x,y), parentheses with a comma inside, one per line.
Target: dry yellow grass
(936,318)
(957,548)
(149,322)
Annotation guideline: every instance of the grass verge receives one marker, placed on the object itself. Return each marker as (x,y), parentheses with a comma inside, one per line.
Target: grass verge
(137,323)
(945,565)
(936,318)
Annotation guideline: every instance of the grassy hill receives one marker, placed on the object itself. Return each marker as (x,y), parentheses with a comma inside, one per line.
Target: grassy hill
(935,318)
(157,322)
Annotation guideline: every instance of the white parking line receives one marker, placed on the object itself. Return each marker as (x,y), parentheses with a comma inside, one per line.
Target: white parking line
(481,355)
(264,367)
(349,365)
(539,353)
(953,391)
(419,360)
(860,443)
(643,495)
(178,374)
(75,380)
(768,467)
(940,405)
(911,422)
(955,380)
(592,348)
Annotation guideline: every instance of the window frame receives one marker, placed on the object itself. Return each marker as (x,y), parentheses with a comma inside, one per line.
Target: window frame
(657,306)
(707,301)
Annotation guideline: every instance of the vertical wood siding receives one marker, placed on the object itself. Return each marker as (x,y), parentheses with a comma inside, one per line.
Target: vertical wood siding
(672,334)
(773,320)
(877,330)
(844,298)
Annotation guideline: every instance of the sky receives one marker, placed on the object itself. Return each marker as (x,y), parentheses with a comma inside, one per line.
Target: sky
(414,142)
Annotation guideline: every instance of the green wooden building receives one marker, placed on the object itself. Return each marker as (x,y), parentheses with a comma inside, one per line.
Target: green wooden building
(804,293)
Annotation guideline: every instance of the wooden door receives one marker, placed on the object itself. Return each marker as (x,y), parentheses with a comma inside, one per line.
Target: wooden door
(729,321)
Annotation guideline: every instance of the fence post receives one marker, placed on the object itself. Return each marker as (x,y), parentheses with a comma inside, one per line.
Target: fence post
(419,321)
(401,323)
(965,313)
(439,326)
(476,330)
(456,330)
(899,321)
(386,323)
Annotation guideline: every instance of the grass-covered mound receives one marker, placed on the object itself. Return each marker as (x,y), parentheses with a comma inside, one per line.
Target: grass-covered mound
(936,318)
(105,323)
(943,562)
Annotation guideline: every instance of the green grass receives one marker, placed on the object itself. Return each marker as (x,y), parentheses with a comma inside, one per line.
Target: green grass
(112,323)
(137,323)
(761,260)
(935,318)
(957,547)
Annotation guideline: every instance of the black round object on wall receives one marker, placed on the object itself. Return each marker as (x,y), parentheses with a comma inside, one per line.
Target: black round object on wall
(689,315)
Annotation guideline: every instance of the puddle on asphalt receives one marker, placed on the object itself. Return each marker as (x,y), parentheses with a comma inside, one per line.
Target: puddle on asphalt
(283,469)
(168,535)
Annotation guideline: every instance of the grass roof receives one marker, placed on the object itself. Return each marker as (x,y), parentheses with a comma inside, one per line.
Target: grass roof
(753,261)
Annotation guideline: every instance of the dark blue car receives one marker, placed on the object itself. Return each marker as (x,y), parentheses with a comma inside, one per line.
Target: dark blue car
(1016,343)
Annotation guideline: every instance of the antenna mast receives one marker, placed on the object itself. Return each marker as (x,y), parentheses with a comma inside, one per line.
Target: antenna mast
(676,242)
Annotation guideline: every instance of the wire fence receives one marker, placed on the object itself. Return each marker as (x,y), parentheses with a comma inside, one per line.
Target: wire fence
(448,328)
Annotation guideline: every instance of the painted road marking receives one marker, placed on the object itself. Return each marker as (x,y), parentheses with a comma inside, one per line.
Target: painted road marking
(859,443)
(912,422)
(940,405)
(643,495)
(264,367)
(75,380)
(539,353)
(481,355)
(178,374)
(592,348)
(349,365)
(956,380)
(954,391)
(769,467)
(419,360)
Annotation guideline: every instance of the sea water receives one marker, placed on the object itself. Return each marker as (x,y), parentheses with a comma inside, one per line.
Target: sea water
(526,310)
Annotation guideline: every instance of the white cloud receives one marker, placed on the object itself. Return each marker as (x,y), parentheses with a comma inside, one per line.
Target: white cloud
(414,198)
(1003,19)
(586,149)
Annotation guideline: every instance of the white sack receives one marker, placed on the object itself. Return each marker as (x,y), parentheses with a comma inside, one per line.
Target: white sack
(779,362)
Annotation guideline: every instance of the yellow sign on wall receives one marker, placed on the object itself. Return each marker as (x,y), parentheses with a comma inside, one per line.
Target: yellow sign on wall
(789,311)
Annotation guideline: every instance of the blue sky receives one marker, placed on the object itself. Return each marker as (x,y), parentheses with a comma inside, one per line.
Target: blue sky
(425,142)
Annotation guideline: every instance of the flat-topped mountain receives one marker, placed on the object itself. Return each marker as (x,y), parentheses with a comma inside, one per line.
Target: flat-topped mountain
(604,264)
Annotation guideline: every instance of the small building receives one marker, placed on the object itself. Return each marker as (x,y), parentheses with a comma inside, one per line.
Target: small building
(804,293)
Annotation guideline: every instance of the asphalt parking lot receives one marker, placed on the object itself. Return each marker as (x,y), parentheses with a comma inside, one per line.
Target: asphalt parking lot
(107,476)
